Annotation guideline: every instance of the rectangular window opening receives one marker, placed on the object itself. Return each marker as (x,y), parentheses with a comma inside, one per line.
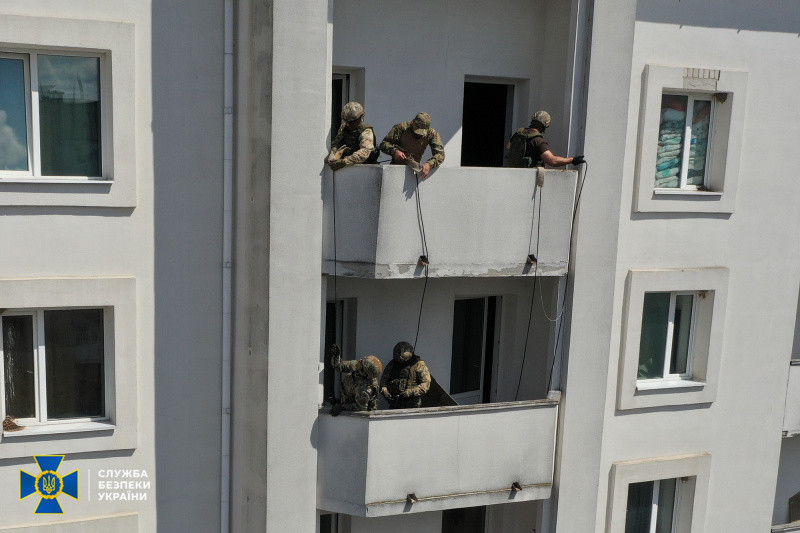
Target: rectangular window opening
(340,96)
(486,123)
(54,365)
(51,109)
(472,358)
(666,343)
(683,145)
(652,507)
(464,520)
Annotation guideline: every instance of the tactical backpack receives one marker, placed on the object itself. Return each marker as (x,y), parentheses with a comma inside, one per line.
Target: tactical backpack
(519,154)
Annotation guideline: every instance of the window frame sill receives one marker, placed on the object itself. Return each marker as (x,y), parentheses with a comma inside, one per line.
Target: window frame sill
(51,180)
(687,192)
(56,428)
(662,384)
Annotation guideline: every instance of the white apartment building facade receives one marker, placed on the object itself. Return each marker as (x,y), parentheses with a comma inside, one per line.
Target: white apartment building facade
(621,339)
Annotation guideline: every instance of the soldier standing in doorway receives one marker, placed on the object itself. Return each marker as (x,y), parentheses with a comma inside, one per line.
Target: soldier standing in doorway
(407,142)
(406,378)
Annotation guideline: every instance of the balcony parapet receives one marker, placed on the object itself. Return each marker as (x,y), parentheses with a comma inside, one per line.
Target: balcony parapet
(791,416)
(786,528)
(447,457)
(478,221)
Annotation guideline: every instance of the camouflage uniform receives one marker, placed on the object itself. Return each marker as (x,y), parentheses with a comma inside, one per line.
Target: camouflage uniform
(406,378)
(359,383)
(401,138)
(355,142)
(358,144)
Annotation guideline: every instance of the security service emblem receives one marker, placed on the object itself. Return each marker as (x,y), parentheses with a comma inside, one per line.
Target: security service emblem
(49,485)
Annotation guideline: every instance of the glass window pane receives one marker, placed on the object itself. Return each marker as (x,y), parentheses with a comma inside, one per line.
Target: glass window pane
(69,115)
(670,140)
(653,342)
(74,361)
(680,334)
(701,118)
(666,505)
(467,356)
(640,507)
(18,366)
(13,121)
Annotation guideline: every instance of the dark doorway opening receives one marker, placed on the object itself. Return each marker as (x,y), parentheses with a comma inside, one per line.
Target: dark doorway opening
(465,520)
(333,335)
(486,123)
(340,95)
(472,361)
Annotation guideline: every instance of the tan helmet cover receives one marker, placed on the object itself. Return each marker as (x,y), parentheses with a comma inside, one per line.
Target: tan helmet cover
(542,117)
(352,111)
(372,365)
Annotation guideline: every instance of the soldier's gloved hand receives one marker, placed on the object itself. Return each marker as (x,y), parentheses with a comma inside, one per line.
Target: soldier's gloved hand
(578,160)
(336,409)
(336,165)
(406,394)
(385,393)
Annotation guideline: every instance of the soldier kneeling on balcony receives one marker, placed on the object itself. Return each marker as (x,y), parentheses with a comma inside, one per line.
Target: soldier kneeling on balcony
(406,378)
(529,148)
(355,143)
(359,383)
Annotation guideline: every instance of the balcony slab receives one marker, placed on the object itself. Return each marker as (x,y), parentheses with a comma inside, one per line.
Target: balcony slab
(478,222)
(448,457)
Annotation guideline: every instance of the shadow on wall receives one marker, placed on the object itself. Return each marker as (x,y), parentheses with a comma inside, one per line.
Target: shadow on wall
(187,62)
(768,15)
(796,343)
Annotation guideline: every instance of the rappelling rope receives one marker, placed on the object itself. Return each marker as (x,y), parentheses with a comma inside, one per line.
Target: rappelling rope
(536,282)
(425,254)
(566,278)
(533,293)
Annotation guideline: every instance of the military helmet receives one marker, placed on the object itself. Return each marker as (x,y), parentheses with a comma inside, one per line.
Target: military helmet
(352,111)
(403,351)
(421,123)
(372,366)
(542,117)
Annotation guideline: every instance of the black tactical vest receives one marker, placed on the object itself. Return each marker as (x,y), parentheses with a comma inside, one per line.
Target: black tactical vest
(401,377)
(521,153)
(352,140)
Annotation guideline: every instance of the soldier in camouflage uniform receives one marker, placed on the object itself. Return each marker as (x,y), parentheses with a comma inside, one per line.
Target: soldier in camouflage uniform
(406,379)
(359,383)
(529,148)
(408,140)
(355,142)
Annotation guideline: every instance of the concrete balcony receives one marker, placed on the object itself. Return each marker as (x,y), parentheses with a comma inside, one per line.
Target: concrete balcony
(447,457)
(786,528)
(791,416)
(478,221)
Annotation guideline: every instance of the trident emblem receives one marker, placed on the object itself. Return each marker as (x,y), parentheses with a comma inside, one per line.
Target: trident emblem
(48,484)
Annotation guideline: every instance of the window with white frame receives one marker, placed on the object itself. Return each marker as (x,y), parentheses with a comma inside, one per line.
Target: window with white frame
(683,141)
(665,348)
(54,366)
(51,122)
(652,506)
(691,125)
